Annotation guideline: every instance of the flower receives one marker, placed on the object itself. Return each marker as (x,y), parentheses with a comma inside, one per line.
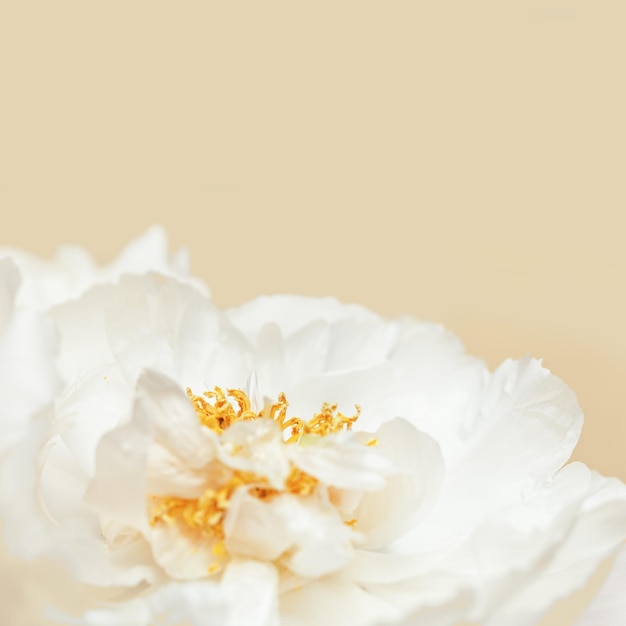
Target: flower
(294,461)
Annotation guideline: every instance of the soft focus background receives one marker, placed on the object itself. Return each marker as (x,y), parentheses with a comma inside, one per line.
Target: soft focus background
(459,161)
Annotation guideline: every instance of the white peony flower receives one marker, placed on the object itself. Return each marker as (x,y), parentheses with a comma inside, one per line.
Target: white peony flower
(295,461)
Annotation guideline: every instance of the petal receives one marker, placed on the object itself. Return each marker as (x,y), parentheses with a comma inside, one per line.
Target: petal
(28,349)
(340,460)
(84,345)
(92,406)
(254,528)
(256,446)
(26,523)
(609,606)
(157,322)
(169,475)
(161,413)
(9,283)
(118,489)
(292,313)
(167,413)
(409,493)
(182,553)
(528,424)
(44,515)
(597,531)
(323,543)
(246,596)
(46,283)
(73,271)
(435,386)
(314,535)
(150,253)
(334,602)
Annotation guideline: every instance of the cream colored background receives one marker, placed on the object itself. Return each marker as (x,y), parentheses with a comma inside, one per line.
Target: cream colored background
(460,161)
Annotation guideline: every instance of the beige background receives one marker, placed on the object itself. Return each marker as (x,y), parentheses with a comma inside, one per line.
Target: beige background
(460,161)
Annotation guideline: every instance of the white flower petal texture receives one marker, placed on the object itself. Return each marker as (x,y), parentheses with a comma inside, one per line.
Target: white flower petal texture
(294,461)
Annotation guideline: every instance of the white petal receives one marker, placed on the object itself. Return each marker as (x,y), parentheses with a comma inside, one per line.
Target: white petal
(73,271)
(256,446)
(28,377)
(84,345)
(28,349)
(26,524)
(118,489)
(157,322)
(435,386)
(527,427)
(340,460)
(317,540)
(292,313)
(346,389)
(434,600)
(44,515)
(409,493)
(167,413)
(182,553)
(150,253)
(323,542)
(9,283)
(597,531)
(46,283)
(89,408)
(334,602)
(246,596)
(169,475)
(137,322)
(162,413)
(609,606)
(254,528)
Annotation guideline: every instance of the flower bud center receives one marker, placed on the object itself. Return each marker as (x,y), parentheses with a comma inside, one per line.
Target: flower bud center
(218,410)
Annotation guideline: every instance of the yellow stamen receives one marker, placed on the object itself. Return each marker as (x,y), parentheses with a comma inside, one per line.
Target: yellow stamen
(218,410)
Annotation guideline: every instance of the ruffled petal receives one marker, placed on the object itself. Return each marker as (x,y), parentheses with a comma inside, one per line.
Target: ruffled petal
(595,532)
(526,429)
(72,272)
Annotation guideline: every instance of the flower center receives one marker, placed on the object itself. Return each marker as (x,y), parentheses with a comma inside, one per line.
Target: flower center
(218,410)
